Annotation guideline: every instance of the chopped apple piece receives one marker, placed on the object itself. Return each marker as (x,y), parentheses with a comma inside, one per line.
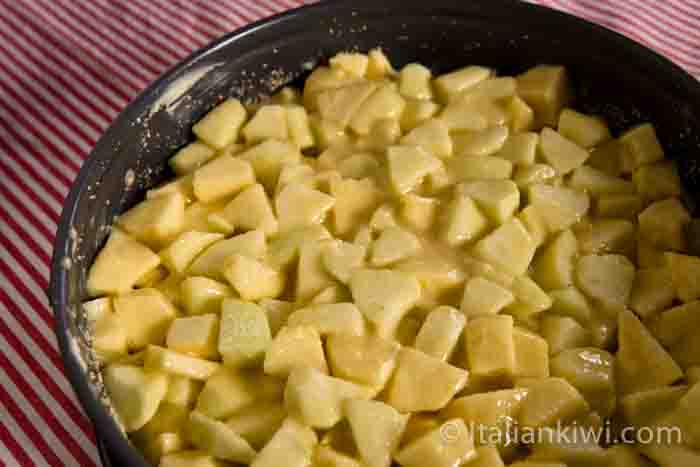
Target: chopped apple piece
(210,262)
(471,168)
(155,221)
(488,456)
(653,291)
(292,446)
(673,325)
(448,445)
(520,148)
(554,267)
(335,318)
(354,64)
(433,136)
(312,277)
(414,81)
(657,181)
(298,127)
(620,205)
(190,157)
(606,278)
(201,295)
(468,144)
(300,206)
(663,224)
(268,158)
(244,334)
(269,122)
(640,146)
(355,201)
(195,336)
(144,328)
(119,265)
(489,345)
(408,166)
(413,365)
(483,297)
(252,279)
(572,446)
(534,223)
(382,104)
(341,258)
(293,347)
(221,125)
(251,209)
(676,455)
(462,221)
(591,371)
(559,207)
(358,166)
(531,354)
(684,270)
(376,428)
(284,249)
(563,332)
(599,183)
(228,391)
(416,112)
(509,247)
(222,177)
(571,302)
(393,245)
(134,393)
(455,82)
(316,398)
(608,236)
(440,332)
(419,212)
(533,174)
(549,401)
(366,360)
(168,361)
(642,363)
(384,297)
(585,130)
(329,457)
(257,423)
(547,90)
(183,391)
(185,248)
(218,439)
(340,105)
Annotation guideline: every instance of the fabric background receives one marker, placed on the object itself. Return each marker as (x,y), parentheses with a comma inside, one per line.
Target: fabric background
(67,67)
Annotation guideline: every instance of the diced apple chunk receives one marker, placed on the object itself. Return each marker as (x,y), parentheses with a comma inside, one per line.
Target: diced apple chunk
(455,82)
(571,302)
(119,265)
(334,318)
(384,296)
(253,279)
(653,291)
(657,181)
(498,199)
(251,209)
(382,104)
(393,245)
(195,335)
(201,295)
(440,332)
(155,221)
(341,258)
(599,183)
(228,391)
(298,127)
(268,158)
(663,224)
(559,207)
(293,347)
(222,177)
(462,221)
(483,297)
(168,361)
(520,148)
(684,270)
(642,363)
(414,81)
(218,439)
(547,90)
(626,206)
(439,449)
(534,223)
(145,315)
(210,262)
(408,166)
(292,446)
(221,125)
(674,324)
(591,371)
(549,401)
(433,136)
(244,334)
(257,423)
(606,278)
(376,428)
(185,248)
(269,122)
(489,345)
(554,267)
(134,393)
(300,206)
(316,398)
(341,104)
(585,130)
(416,112)
(488,456)
(471,168)
(509,247)
(563,332)
(366,360)
(640,146)
(355,200)
(190,158)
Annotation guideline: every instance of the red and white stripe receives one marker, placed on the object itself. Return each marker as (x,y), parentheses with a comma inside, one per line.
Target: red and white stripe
(68,68)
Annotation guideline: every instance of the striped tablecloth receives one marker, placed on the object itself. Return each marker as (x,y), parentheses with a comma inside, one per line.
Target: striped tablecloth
(67,67)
